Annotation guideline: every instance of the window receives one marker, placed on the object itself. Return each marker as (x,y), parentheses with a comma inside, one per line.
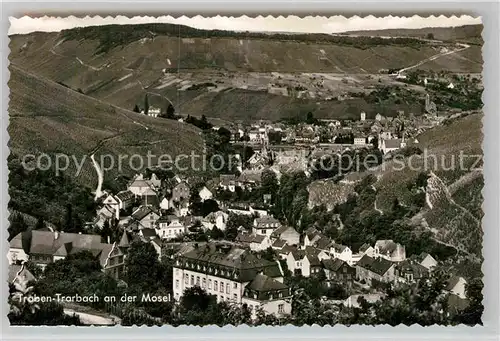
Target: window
(215,285)
(204,283)
(235,297)
(227,288)
(186,279)
(198,280)
(222,298)
(209,284)
(221,287)
(280,295)
(235,285)
(281,308)
(270,296)
(177,283)
(176,271)
(192,280)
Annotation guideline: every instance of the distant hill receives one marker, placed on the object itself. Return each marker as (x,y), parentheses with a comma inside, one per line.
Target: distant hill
(46,117)
(466,33)
(120,64)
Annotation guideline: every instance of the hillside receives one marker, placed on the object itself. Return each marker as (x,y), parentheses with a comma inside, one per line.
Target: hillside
(453,210)
(120,65)
(466,33)
(46,117)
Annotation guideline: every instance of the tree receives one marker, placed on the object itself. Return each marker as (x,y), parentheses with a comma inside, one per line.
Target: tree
(430,36)
(143,269)
(146,104)
(17,225)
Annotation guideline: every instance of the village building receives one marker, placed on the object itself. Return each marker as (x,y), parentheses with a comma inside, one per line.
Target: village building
(265,225)
(427,261)
(18,273)
(205,194)
(410,271)
(306,262)
(228,182)
(225,271)
(218,219)
(362,116)
(268,294)
(254,242)
(341,252)
(169,227)
(379,269)
(145,216)
(44,247)
(456,286)
(338,270)
(180,192)
(287,234)
(353,301)
(359,141)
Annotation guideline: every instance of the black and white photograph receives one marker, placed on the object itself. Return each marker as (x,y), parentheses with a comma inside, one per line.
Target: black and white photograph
(261,171)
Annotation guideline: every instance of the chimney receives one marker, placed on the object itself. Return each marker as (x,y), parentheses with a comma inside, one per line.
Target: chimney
(109,239)
(56,234)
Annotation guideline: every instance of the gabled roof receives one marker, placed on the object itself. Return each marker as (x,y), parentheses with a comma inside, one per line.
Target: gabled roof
(379,265)
(124,240)
(265,283)
(148,233)
(393,143)
(409,266)
(125,195)
(333,264)
(338,247)
(263,221)
(364,247)
(452,282)
(142,212)
(19,270)
(323,242)
(279,243)
(313,260)
(280,230)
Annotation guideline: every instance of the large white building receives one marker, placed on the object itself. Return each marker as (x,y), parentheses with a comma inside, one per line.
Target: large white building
(235,275)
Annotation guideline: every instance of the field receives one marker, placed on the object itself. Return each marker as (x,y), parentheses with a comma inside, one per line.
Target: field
(46,117)
(125,71)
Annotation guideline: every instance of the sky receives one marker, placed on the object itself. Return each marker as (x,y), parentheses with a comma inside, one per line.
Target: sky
(334,24)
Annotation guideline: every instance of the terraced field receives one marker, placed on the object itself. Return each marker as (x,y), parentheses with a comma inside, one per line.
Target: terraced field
(46,117)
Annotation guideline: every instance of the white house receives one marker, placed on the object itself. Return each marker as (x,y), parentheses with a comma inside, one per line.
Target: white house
(205,193)
(389,250)
(456,285)
(265,225)
(341,252)
(359,141)
(218,219)
(170,226)
(165,204)
(387,146)
(427,261)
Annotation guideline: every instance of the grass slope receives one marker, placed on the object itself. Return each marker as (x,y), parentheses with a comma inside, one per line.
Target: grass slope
(46,117)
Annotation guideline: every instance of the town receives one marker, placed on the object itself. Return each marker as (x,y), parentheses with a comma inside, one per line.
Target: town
(222,237)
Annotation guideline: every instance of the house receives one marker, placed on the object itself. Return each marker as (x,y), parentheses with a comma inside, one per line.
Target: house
(387,146)
(265,225)
(165,204)
(338,270)
(456,286)
(365,249)
(18,273)
(268,294)
(205,193)
(311,236)
(154,181)
(145,216)
(379,269)
(306,262)
(389,250)
(139,186)
(112,204)
(228,182)
(222,270)
(409,271)
(359,140)
(249,179)
(427,261)
(105,214)
(157,244)
(169,227)
(287,234)
(341,252)
(180,192)
(254,242)
(218,219)
(44,247)
(278,244)
(147,233)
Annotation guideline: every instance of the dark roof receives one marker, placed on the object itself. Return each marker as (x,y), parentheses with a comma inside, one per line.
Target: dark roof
(124,240)
(338,247)
(313,260)
(323,243)
(148,233)
(262,221)
(379,265)
(125,195)
(409,266)
(150,200)
(364,247)
(279,243)
(141,212)
(249,238)
(265,283)
(233,262)
(15,270)
(333,264)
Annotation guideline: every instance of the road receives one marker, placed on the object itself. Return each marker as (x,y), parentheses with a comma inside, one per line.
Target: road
(434,57)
